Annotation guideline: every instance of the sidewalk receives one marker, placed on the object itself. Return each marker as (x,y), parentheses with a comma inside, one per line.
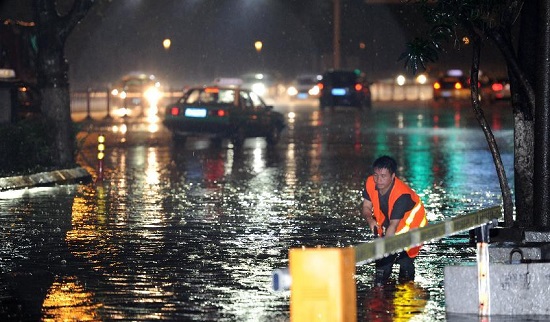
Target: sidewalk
(77,174)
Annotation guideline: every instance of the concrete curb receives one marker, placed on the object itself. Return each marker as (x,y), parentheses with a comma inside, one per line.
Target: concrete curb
(45,179)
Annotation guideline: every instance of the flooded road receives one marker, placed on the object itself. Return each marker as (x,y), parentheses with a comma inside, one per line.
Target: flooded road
(194,232)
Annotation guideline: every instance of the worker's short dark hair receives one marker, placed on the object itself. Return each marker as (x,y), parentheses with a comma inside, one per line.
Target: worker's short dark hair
(385,162)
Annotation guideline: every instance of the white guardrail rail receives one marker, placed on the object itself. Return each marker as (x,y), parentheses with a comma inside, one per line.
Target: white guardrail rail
(381,247)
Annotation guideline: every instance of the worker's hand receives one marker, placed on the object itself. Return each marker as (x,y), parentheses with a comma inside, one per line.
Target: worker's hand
(374,227)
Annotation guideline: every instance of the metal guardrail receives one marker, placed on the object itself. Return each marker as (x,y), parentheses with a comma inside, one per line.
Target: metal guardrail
(381,247)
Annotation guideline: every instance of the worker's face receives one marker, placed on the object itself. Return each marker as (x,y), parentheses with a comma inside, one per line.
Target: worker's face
(383,179)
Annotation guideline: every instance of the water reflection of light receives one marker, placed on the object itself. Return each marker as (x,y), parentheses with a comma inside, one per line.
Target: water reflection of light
(457,119)
(291,117)
(19,193)
(316,118)
(230,155)
(67,300)
(357,134)
(420,119)
(315,162)
(400,118)
(290,173)
(258,163)
(151,172)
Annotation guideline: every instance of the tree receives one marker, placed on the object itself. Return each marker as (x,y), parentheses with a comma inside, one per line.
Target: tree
(494,21)
(52,31)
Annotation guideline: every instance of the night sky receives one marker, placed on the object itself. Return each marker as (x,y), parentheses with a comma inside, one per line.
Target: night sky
(215,38)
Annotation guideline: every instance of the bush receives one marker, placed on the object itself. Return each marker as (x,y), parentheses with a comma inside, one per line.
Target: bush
(26,147)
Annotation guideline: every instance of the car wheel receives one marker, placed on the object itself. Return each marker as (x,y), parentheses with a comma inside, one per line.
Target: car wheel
(238,137)
(273,136)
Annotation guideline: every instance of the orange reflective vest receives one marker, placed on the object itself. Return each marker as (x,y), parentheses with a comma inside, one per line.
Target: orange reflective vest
(414,218)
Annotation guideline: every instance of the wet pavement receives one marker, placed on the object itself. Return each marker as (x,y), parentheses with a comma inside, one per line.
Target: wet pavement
(194,232)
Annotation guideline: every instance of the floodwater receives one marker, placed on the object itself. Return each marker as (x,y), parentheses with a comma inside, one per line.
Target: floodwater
(194,232)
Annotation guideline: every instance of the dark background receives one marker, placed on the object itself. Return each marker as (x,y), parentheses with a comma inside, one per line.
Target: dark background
(213,38)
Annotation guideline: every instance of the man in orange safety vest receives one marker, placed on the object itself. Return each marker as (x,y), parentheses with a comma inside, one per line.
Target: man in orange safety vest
(391,207)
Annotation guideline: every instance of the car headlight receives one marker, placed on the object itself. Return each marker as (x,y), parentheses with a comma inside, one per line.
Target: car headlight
(152,94)
(259,88)
(292,91)
(314,90)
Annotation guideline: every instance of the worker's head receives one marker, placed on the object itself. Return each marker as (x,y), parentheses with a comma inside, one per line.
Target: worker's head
(385,162)
(384,172)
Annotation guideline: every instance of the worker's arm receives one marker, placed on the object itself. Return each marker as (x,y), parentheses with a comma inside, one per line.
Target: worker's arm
(367,213)
(390,231)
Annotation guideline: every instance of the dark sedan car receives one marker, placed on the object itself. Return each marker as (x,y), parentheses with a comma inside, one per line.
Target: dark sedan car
(344,88)
(223,113)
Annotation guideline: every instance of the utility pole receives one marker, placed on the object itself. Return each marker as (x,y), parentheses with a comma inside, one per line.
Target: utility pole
(336,36)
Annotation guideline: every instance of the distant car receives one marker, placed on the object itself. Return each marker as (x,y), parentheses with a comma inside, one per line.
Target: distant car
(263,84)
(223,113)
(344,88)
(451,87)
(137,90)
(305,87)
(500,90)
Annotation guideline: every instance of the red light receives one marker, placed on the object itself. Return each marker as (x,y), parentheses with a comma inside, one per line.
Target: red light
(358,87)
(212,90)
(320,85)
(175,111)
(221,113)
(497,87)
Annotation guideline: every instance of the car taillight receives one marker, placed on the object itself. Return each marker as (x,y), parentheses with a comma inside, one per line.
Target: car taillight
(358,87)
(458,85)
(174,111)
(437,85)
(497,87)
(218,113)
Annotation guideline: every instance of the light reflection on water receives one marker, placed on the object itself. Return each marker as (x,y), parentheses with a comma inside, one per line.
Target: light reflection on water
(194,233)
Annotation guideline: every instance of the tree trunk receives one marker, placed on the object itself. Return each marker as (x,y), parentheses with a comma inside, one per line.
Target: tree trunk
(541,194)
(508,203)
(52,32)
(524,117)
(56,104)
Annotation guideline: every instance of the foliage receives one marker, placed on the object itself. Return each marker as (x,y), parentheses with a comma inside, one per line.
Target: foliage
(452,18)
(26,147)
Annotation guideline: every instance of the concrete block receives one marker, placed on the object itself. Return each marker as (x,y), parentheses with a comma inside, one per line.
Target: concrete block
(537,236)
(500,253)
(515,289)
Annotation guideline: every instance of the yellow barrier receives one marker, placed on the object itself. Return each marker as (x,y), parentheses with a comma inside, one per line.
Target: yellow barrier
(323,285)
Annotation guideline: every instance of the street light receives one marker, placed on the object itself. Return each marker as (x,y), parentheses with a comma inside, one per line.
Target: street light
(166,43)
(258,45)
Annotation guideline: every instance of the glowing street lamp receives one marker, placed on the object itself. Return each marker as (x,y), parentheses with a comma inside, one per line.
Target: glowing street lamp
(258,45)
(400,80)
(166,43)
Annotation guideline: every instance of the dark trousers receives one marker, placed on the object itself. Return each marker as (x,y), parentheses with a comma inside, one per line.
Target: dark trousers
(384,268)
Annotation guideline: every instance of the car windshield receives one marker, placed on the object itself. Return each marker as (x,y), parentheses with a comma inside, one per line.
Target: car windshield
(209,95)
